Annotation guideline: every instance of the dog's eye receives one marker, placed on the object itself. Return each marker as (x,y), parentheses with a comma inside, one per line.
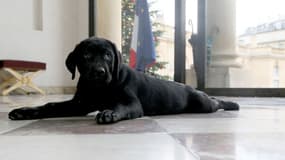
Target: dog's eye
(87,56)
(107,56)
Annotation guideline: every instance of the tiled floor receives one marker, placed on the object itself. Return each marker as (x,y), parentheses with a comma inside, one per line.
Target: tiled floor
(256,132)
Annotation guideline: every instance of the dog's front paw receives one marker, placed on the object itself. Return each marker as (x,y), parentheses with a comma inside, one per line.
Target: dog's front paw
(25,113)
(106,117)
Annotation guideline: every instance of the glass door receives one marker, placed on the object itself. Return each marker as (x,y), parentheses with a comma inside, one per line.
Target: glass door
(172,23)
(191,28)
(245,44)
(161,14)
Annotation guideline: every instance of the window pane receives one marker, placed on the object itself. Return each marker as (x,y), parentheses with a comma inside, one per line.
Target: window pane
(191,29)
(246,43)
(162,20)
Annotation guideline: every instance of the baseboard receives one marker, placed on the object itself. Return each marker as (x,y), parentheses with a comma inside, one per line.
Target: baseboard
(59,90)
(47,90)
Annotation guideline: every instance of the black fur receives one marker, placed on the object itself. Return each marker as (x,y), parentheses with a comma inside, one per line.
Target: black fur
(118,92)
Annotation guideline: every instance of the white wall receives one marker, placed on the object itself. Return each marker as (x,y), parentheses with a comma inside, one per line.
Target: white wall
(43,30)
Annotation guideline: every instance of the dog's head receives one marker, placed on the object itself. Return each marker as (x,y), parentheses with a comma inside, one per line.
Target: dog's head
(98,60)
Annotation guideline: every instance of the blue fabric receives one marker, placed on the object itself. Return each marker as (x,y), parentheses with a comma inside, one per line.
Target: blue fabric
(145,53)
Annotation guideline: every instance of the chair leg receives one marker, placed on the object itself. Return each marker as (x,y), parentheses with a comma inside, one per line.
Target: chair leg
(32,85)
(14,73)
(20,80)
(7,82)
(13,87)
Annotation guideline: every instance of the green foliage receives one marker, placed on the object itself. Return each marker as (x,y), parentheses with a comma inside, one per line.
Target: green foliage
(128,12)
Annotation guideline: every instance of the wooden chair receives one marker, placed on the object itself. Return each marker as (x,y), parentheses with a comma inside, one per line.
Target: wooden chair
(20,74)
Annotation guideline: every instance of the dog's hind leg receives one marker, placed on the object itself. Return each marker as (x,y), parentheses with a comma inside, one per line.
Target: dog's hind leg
(226,105)
(200,102)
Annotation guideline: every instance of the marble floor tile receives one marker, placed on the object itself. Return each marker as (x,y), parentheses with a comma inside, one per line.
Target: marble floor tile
(273,113)
(257,101)
(219,114)
(235,146)
(256,132)
(86,125)
(222,125)
(263,120)
(7,125)
(90,147)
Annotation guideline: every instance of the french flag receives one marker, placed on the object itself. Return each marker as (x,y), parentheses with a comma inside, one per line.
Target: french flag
(142,52)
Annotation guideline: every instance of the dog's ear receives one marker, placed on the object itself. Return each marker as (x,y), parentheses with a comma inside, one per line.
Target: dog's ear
(70,63)
(71,60)
(117,59)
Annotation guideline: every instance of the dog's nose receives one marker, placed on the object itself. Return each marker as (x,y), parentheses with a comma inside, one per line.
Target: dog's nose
(100,71)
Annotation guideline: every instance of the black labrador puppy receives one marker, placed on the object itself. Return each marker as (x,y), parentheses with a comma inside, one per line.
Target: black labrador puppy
(119,92)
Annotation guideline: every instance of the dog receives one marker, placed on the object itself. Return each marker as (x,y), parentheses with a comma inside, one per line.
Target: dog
(119,92)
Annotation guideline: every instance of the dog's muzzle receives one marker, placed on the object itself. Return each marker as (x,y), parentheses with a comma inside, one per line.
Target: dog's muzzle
(99,72)
(99,75)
